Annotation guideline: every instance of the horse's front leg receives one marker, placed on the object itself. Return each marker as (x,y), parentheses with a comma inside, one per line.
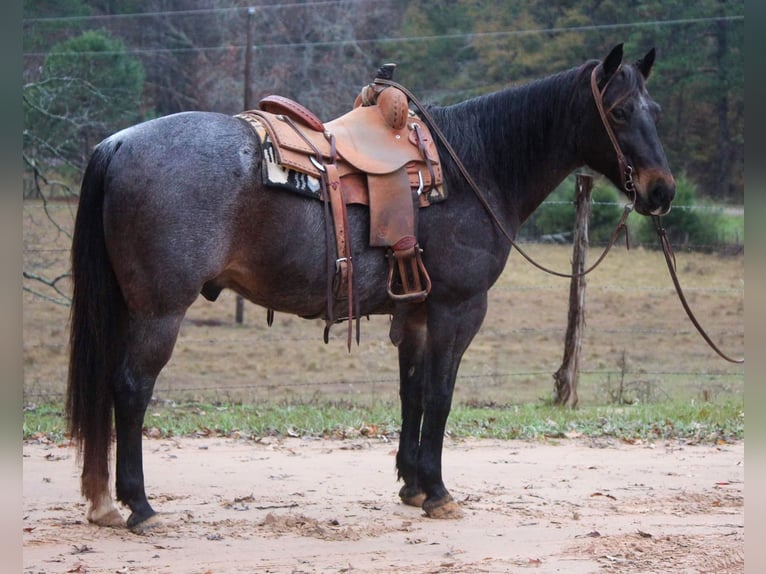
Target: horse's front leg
(451,328)
(409,334)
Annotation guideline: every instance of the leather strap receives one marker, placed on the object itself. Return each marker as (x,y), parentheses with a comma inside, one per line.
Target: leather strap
(626,170)
(670,259)
(344,263)
(421,142)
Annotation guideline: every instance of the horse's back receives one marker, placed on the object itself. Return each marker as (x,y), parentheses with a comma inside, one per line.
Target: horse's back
(179,154)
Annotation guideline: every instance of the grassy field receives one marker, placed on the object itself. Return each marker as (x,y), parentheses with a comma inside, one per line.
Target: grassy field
(711,422)
(639,349)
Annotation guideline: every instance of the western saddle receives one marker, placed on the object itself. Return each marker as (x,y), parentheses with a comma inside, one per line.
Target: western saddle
(379,154)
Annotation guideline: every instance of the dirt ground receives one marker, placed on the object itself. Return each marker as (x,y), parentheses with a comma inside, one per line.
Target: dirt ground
(299,505)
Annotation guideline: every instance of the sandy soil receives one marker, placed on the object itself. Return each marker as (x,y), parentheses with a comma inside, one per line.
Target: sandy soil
(298,505)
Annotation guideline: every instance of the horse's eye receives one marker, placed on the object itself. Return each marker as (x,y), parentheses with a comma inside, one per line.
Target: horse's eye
(656,112)
(619,114)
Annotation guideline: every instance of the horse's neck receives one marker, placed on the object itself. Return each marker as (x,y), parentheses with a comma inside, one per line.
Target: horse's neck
(520,141)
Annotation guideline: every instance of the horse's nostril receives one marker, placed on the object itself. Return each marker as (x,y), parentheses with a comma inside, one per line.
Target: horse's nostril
(660,196)
(662,193)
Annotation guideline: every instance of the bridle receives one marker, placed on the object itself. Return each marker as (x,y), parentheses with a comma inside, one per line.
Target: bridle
(626,170)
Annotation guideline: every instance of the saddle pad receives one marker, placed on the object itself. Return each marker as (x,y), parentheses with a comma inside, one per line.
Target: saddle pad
(273,172)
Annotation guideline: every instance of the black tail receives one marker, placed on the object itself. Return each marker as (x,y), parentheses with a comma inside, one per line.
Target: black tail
(94,339)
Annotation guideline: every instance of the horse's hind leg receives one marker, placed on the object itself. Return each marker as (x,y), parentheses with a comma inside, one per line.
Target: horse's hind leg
(150,342)
(103,511)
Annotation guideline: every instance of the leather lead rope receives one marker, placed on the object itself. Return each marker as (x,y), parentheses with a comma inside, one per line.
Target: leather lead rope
(619,229)
(626,172)
(483,200)
(670,259)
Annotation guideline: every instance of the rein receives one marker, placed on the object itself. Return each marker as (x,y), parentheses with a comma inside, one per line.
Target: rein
(626,175)
(670,259)
(625,172)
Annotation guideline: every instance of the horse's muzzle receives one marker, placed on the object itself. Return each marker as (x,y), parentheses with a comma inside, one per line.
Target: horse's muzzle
(656,196)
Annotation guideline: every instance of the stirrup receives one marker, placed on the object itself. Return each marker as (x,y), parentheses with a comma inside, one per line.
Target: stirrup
(408,280)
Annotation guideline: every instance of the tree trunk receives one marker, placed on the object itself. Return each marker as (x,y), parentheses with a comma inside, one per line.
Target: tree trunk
(567,376)
(723,149)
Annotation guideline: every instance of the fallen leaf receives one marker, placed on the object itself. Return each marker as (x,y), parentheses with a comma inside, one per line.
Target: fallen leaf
(602,494)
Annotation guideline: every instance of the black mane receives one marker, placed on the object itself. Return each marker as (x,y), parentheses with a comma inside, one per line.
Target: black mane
(501,137)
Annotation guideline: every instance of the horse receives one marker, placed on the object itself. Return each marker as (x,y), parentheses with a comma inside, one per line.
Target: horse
(175,206)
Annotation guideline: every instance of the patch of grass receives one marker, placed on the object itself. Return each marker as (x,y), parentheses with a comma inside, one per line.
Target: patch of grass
(706,422)
(294,419)
(46,419)
(731,229)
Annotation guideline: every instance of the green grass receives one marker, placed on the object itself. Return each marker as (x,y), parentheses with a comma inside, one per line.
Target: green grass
(732,229)
(707,422)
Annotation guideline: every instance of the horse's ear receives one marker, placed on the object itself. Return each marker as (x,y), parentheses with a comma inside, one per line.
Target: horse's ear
(612,62)
(645,64)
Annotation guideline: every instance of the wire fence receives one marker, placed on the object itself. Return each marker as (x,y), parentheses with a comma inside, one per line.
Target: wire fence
(637,346)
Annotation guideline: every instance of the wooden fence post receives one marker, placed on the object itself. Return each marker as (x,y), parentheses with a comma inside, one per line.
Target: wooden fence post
(567,376)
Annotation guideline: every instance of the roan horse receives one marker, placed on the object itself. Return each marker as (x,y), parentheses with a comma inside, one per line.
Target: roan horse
(175,206)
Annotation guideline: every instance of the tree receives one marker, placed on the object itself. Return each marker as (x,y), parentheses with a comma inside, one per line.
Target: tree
(88,87)
(699,80)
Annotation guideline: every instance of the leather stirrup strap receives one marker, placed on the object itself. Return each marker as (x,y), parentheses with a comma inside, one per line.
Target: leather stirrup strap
(327,200)
(343,264)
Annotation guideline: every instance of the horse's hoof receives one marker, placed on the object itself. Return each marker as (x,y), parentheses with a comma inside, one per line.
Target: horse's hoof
(412,496)
(137,526)
(112,519)
(443,509)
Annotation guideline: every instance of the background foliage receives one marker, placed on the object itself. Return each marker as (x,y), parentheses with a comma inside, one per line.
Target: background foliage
(94,66)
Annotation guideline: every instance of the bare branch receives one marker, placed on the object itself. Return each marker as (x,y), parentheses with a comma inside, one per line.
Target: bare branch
(63,302)
(52,283)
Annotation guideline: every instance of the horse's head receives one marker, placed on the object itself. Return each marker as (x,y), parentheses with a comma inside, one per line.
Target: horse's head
(625,146)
